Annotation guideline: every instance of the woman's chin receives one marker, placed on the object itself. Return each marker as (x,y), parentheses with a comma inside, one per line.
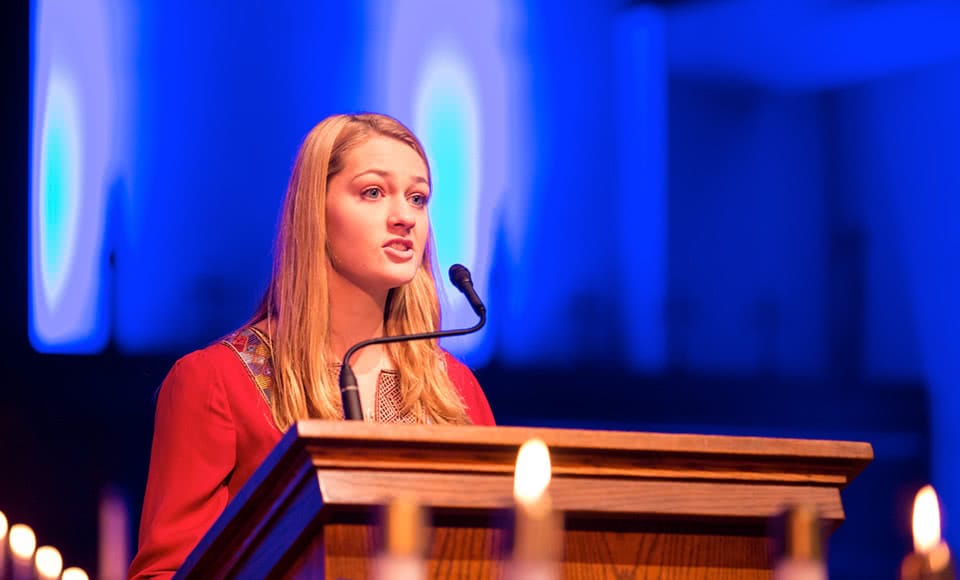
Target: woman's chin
(395,278)
(400,282)
(402,273)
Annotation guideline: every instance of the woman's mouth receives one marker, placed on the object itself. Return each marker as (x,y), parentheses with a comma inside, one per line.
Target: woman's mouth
(399,249)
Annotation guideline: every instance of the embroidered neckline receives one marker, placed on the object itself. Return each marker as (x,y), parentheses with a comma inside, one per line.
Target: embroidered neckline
(253,348)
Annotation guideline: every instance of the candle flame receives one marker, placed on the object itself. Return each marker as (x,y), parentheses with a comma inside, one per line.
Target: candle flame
(926,520)
(532,475)
(22,541)
(74,573)
(48,561)
(4,526)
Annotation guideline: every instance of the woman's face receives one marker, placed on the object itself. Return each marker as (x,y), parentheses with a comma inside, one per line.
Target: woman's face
(377,221)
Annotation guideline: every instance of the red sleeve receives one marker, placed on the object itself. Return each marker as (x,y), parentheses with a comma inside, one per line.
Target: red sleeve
(193,453)
(478,408)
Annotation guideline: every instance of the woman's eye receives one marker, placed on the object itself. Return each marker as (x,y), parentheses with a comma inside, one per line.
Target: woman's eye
(372,193)
(418,200)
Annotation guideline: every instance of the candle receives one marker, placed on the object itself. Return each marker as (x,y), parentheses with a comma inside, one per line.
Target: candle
(538,530)
(930,559)
(114,540)
(48,562)
(23,542)
(404,547)
(800,551)
(74,573)
(4,527)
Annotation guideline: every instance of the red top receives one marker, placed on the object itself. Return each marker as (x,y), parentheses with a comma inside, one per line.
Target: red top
(213,428)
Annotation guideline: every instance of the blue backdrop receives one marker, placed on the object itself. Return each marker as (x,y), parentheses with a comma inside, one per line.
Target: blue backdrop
(755,190)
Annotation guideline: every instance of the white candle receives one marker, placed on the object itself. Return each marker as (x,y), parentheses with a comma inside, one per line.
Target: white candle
(801,549)
(4,527)
(23,542)
(49,563)
(538,530)
(404,547)
(114,542)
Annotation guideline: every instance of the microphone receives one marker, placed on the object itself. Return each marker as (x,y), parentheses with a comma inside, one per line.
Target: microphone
(460,277)
(350,392)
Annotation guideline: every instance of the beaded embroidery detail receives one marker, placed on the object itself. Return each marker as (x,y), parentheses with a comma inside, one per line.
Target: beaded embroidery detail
(255,355)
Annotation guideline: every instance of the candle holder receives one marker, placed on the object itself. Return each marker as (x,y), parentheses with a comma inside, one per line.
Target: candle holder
(936,564)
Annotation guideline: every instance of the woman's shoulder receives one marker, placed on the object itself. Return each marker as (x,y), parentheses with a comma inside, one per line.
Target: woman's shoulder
(221,361)
(207,359)
(458,372)
(478,408)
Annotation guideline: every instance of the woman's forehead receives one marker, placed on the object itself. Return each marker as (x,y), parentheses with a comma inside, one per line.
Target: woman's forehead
(385,155)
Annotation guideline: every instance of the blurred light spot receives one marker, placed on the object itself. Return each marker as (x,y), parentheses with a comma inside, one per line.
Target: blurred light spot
(48,561)
(22,541)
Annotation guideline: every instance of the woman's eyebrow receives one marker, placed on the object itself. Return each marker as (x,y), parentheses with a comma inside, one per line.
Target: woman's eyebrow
(386,175)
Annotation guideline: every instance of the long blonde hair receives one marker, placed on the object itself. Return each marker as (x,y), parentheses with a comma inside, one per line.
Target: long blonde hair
(296,306)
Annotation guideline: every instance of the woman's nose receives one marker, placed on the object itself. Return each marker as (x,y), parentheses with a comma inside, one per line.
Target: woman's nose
(402,217)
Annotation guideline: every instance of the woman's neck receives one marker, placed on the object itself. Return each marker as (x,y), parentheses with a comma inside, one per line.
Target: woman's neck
(355,315)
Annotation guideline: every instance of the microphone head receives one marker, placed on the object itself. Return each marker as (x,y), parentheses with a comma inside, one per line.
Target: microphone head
(460,276)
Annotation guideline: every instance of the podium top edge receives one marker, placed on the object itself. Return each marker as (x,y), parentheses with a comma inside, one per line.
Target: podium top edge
(561,439)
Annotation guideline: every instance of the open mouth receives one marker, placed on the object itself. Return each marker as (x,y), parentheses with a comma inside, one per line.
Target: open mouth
(400,245)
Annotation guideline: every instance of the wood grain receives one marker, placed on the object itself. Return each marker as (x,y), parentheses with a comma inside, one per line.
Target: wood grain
(729,502)
(588,555)
(594,453)
(637,505)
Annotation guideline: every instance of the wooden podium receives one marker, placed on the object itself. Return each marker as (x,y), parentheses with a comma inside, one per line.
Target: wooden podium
(637,505)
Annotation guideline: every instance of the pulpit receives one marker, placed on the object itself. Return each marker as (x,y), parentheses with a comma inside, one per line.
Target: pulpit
(636,505)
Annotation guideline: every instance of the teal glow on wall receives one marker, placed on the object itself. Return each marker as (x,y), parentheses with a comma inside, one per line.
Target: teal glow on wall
(72,112)
(463,93)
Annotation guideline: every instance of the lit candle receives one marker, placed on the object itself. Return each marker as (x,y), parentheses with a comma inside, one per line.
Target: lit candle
(538,530)
(23,542)
(4,527)
(930,559)
(48,562)
(404,546)
(74,573)
(800,551)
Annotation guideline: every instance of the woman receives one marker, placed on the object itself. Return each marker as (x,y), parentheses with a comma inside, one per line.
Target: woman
(353,262)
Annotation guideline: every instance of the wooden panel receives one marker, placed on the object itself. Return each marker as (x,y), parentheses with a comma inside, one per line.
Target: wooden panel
(611,454)
(659,443)
(477,553)
(610,555)
(726,501)
(564,462)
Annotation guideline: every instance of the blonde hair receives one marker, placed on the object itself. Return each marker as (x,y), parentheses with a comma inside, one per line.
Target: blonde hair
(296,306)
